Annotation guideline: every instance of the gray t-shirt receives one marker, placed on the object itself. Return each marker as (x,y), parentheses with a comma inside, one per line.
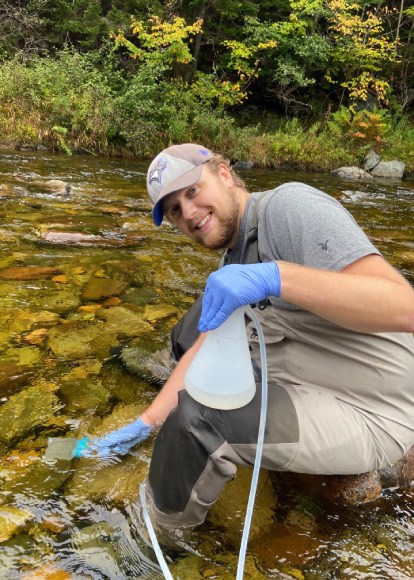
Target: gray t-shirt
(300,224)
(372,372)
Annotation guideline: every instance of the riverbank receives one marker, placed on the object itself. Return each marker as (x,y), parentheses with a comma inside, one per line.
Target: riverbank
(67,104)
(301,150)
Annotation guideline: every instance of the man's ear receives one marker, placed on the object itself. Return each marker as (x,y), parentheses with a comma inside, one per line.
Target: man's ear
(226,175)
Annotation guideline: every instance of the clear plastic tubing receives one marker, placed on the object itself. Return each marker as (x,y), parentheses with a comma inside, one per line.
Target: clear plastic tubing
(158,552)
(255,477)
(259,448)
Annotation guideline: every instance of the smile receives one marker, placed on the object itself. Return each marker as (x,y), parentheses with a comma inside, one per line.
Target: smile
(203,222)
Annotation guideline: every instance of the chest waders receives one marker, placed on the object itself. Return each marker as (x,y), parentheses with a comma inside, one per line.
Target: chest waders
(254,256)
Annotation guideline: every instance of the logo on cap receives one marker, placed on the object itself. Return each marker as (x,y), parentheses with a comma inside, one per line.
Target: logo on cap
(158,170)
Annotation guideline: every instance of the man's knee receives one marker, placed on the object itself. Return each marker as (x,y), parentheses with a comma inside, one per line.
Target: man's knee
(185,416)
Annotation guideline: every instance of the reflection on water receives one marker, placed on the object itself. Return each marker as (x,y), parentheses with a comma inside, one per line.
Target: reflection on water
(84,276)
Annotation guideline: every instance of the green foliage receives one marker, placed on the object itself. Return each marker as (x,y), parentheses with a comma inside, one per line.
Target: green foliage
(65,93)
(198,67)
(160,42)
(362,51)
(400,145)
(365,129)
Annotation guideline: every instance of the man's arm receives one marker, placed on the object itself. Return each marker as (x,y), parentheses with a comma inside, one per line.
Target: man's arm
(366,296)
(369,295)
(167,398)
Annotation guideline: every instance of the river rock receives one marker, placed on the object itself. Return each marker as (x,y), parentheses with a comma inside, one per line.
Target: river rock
(24,320)
(61,238)
(353,489)
(29,273)
(140,296)
(131,271)
(13,376)
(96,547)
(25,413)
(156,313)
(100,288)
(389,169)
(41,478)
(401,474)
(58,300)
(12,521)
(222,566)
(48,572)
(154,368)
(371,160)
(243,165)
(351,172)
(106,481)
(77,340)
(124,321)
(229,511)
(23,356)
(84,395)
(57,186)
(337,489)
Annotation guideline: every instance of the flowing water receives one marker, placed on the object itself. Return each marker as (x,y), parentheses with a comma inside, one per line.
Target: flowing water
(84,275)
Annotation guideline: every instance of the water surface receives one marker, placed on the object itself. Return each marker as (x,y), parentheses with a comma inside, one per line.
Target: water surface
(116,281)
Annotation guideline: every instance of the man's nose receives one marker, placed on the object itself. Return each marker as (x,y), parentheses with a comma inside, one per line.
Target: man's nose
(188,208)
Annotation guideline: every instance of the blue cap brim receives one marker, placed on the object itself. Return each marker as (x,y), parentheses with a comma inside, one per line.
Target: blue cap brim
(157,214)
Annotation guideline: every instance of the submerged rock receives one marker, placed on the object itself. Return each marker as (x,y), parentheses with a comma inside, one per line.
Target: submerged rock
(124,321)
(59,300)
(107,481)
(40,480)
(29,272)
(76,340)
(57,186)
(154,368)
(13,376)
(12,521)
(85,396)
(25,413)
(229,511)
(222,566)
(23,356)
(62,238)
(99,288)
(351,172)
(156,313)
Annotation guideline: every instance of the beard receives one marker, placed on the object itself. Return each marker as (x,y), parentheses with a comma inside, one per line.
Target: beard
(227,231)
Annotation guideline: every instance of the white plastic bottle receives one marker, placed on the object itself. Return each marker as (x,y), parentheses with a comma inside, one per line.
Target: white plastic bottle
(221,374)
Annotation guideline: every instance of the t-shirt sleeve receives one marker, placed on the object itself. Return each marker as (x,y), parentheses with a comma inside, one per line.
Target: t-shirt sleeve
(306,226)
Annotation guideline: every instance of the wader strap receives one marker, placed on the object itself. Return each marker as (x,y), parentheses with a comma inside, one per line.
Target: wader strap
(252,237)
(253,255)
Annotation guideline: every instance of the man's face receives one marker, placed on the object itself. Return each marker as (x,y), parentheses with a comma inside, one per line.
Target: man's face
(209,212)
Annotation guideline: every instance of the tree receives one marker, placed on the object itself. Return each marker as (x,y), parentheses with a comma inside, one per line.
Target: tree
(362,52)
(22,29)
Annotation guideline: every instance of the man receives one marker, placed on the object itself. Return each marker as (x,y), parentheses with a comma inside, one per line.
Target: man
(338,329)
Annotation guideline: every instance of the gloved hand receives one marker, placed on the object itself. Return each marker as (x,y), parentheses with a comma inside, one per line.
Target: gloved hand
(234,286)
(117,442)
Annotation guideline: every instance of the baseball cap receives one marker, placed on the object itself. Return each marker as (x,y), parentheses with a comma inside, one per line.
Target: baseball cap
(174,168)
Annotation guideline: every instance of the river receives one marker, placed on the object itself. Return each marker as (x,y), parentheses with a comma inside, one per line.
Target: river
(86,276)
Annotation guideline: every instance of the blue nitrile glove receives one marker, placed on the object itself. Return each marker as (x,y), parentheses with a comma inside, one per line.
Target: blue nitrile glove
(234,286)
(117,442)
